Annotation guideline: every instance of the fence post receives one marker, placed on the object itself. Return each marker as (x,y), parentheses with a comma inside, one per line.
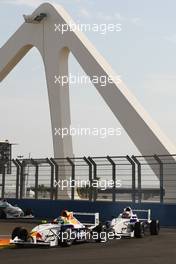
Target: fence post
(17,177)
(139,178)
(94,177)
(72,178)
(21,177)
(90,177)
(52,179)
(35,163)
(113,177)
(3,172)
(133,195)
(3,181)
(161,177)
(56,177)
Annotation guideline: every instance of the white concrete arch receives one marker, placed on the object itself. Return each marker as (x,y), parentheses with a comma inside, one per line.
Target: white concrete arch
(25,38)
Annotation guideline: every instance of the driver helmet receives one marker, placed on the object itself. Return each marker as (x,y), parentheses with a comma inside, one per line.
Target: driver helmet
(127,212)
(128,209)
(65,213)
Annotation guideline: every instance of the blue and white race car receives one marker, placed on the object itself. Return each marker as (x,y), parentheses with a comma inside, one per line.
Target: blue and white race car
(128,224)
(8,210)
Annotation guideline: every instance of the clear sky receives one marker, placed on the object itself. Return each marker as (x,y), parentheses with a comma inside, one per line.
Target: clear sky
(142,54)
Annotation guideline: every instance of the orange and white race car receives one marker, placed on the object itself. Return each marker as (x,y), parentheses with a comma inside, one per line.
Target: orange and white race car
(63,231)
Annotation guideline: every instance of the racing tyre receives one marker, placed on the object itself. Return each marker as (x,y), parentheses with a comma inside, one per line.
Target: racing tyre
(100,229)
(65,238)
(154,227)
(16,232)
(21,233)
(24,234)
(139,230)
(28,212)
(2,214)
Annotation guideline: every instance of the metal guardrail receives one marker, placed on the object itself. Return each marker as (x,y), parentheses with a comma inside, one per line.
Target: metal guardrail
(111,178)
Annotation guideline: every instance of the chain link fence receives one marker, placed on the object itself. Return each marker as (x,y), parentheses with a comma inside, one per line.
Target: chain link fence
(111,178)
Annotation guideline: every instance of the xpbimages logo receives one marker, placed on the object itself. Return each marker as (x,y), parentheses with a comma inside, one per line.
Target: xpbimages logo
(102,132)
(101,28)
(102,80)
(87,235)
(80,183)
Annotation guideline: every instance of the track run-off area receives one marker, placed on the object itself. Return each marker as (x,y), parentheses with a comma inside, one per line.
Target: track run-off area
(150,249)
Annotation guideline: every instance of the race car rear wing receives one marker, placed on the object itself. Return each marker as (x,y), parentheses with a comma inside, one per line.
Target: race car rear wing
(148,211)
(95,221)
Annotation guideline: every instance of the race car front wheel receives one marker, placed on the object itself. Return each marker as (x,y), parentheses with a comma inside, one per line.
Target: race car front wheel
(21,233)
(65,239)
(139,230)
(154,227)
(100,233)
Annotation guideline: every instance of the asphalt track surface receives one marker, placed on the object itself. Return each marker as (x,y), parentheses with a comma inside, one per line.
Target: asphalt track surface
(148,250)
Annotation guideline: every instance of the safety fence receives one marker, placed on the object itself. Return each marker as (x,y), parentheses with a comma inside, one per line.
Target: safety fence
(111,178)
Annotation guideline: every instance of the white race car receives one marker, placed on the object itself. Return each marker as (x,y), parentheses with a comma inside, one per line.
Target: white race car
(63,231)
(128,224)
(9,211)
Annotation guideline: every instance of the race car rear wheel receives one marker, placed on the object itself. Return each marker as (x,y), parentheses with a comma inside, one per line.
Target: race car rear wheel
(154,227)
(139,230)
(21,233)
(28,212)
(101,233)
(65,239)
(2,214)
